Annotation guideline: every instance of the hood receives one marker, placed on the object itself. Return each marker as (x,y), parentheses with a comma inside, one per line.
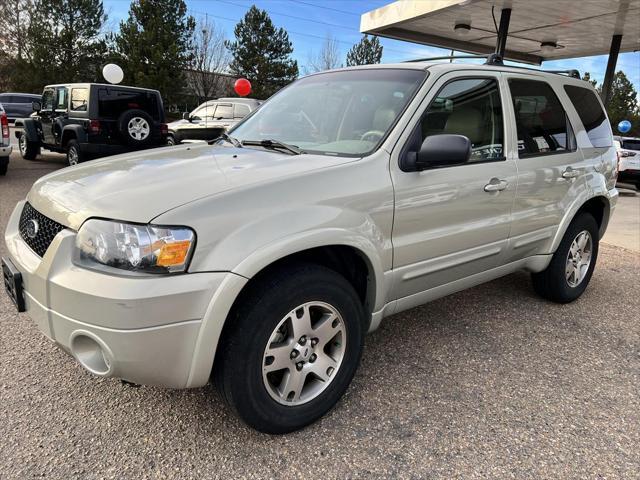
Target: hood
(176,123)
(137,187)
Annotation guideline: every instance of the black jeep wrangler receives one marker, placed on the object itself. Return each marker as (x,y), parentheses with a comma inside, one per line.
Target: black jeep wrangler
(90,120)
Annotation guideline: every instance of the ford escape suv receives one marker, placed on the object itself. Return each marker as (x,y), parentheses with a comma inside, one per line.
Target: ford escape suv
(262,259)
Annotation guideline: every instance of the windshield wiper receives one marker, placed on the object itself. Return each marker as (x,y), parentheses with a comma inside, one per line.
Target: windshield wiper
(224,136)
(270,143)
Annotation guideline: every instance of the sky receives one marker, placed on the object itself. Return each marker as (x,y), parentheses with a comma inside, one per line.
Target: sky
(308,23)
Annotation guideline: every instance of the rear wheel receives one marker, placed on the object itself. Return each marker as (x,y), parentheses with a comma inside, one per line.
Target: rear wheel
(4,166)
(74,154)
(28,150)
(571,267)
(291,349)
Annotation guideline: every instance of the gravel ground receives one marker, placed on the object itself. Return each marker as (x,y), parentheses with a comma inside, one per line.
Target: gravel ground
(488,383)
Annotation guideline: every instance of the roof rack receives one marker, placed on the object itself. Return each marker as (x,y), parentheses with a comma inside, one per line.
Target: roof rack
(495,59)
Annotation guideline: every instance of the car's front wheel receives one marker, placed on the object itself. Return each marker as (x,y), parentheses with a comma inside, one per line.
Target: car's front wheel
(291,348)
(571,267)
(28,150)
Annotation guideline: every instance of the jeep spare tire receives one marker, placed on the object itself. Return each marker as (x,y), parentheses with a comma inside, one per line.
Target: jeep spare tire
(135,127)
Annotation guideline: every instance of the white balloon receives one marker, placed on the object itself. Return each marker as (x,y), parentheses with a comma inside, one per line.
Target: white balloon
(112,73)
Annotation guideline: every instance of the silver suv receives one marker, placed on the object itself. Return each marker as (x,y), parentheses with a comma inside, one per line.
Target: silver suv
(263,259)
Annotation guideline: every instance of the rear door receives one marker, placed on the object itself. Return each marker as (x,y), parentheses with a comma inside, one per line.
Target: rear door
(448,224)
(550,168)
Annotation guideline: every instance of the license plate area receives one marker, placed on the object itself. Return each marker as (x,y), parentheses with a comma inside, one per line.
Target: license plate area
(13,283)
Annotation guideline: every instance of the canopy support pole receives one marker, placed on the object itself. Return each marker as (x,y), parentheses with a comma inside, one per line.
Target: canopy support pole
(616,40)
(503,31)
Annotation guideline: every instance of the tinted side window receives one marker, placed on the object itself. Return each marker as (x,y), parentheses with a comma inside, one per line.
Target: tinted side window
(224,111)
(541,121)
(469,107)
(113,102)
(591,114)
(240,111)
(79,99)
(7,99)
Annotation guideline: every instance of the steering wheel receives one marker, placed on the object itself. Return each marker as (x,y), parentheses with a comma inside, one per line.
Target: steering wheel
(372,133)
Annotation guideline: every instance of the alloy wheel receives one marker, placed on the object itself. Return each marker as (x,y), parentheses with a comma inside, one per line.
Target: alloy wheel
(304,353)
(138,128)
(579,258)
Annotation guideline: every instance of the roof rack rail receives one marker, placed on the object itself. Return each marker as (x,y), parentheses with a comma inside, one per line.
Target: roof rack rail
(573,73)
(495,59)
(448,57)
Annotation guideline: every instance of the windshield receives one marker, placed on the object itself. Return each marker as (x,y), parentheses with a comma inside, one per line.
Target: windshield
(335,113)
(631,144)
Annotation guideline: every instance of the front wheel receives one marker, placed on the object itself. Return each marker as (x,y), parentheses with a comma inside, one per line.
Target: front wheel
(571,267)
(291,349)
(28,150)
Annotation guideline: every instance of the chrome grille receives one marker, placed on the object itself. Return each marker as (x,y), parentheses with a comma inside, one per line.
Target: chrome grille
(46,229)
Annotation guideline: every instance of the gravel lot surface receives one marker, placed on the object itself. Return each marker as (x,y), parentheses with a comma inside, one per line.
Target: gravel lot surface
(488,383)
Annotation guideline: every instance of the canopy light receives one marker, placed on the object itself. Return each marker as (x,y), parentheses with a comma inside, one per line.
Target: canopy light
(462,29)
(548,48)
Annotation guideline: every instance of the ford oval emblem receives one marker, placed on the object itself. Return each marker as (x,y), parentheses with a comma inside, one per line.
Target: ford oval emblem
(32,228)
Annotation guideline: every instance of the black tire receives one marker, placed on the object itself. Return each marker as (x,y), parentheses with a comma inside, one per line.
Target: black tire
(28,150)
(239,362)
(4,166)
(171,141)
(74,154)
(552,283)
(127,136)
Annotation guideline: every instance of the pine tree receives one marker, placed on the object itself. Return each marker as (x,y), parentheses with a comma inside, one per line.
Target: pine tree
(63,43)
(262,54)
(154,47)
(366,52)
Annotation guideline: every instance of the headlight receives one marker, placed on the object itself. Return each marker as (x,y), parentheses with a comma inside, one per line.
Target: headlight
(142,248)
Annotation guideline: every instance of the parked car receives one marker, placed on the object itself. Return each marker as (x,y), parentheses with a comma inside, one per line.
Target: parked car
(5,141)
(263,258)
(90,120)
(210,119)
(18,105)
(629,164)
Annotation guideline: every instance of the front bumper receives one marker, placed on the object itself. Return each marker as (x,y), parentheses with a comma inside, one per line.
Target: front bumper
(143,329)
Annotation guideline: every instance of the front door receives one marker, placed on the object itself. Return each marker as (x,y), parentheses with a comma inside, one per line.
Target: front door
(453,222)
(46,114)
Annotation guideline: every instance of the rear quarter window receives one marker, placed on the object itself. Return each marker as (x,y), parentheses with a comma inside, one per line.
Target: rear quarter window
(591,114)
(113,102)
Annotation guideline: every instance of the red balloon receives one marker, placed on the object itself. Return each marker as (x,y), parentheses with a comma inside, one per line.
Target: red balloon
(242,87)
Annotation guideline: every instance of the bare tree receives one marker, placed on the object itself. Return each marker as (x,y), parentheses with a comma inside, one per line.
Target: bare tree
(327,58)
(210,61)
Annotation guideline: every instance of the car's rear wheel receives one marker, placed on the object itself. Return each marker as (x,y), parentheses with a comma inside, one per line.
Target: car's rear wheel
(135,127)
(571,267)
(74,154)
(4,166)
(28,150)
(291,348)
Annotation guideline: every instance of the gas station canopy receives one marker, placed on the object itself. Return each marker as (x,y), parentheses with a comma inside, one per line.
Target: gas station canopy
(538,30)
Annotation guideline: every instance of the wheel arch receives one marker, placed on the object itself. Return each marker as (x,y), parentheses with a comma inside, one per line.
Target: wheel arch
(598,206)
(339,257)
(72,132)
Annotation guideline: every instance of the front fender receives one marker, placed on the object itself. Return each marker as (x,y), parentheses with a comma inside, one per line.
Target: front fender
(29,128)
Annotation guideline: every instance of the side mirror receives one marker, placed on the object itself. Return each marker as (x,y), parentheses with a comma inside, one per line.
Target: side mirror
(185,116)
(36,106)
(437,151)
